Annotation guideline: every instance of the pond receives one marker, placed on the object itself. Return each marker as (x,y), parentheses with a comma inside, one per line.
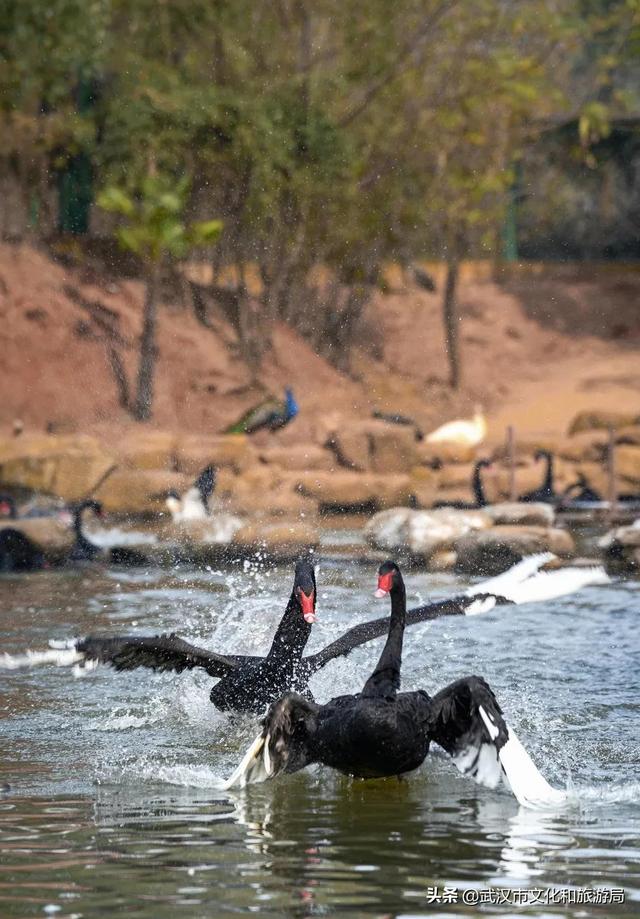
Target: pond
(111,782)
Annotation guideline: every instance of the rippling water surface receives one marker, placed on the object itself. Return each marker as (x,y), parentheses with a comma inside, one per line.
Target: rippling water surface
(114,801)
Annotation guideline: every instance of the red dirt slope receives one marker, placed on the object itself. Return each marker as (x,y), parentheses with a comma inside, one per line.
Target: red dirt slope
(523,365)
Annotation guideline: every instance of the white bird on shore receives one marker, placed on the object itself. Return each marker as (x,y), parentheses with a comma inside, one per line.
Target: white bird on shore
(469,432)
(194,504)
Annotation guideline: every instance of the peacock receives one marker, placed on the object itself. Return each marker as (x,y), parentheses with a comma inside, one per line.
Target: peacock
(271,414)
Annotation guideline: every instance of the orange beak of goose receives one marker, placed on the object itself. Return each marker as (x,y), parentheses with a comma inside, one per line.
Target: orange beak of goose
(385,583)
(308,604)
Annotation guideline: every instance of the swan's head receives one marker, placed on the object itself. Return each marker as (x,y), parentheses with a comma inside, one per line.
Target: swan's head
(90,505)
(541,454)
(484,463)
(8,507)
(388,577)
(304,588)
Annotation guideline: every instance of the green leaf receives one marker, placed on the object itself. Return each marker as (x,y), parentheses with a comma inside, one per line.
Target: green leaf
(116,201)
(205,231)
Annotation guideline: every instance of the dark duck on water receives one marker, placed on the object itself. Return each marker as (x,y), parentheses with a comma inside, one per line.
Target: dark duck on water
(381,732)
(271,414)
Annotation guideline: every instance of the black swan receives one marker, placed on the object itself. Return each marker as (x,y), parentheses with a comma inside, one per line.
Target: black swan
(271,414)
(476,487)
(545,493)
(251,683)
(18,552)
(579,492)
(194,504)
(84,550)
(8,509)
(381,732)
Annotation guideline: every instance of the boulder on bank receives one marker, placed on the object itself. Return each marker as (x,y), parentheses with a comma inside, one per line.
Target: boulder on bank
(629,435)
(70,466)
(147,450)
(424,486)
(622,546)
(339,492)
(298,458)
(264,491)
(439,454)
(492,551)
(138,491)
(421,532)
(456,475)
(195,451)
(520,513)
(628,463)
(374,446)
(601,420)
(590,446)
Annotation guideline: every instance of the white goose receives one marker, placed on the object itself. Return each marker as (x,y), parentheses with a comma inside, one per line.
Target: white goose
(469,432)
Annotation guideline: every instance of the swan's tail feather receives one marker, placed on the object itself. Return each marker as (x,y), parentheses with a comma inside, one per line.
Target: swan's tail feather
(254,767)
(521,775)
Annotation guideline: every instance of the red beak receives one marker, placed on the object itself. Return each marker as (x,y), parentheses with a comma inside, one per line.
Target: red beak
(308,605)
(385,583)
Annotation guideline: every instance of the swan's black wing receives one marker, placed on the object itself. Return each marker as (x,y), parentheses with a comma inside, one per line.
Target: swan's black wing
(159,652)
(375,628)
(465,719)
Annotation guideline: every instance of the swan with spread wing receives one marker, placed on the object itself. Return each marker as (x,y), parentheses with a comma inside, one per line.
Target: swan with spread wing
(251,683)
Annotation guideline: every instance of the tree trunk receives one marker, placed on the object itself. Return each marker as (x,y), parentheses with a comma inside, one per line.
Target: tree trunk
(122,384)
(148,351)
(451,324)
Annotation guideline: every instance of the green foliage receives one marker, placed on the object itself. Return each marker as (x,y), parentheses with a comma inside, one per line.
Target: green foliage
(333,131)
(154,219)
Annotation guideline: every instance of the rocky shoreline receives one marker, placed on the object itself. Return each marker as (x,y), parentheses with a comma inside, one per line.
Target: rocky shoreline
(272,496)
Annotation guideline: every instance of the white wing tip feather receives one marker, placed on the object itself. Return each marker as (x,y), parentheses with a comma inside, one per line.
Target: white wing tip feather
(518,573)
(60,657)
(528,785)
(549,585)
(525,583)
(483,605)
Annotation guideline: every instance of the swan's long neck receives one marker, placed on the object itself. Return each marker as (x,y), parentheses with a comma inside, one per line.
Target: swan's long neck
(291,635)
(548,476)
(385,679)
(77,525)
(81,540)
(476,484)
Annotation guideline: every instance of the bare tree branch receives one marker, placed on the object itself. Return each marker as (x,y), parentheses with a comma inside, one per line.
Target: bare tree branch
(402,60)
